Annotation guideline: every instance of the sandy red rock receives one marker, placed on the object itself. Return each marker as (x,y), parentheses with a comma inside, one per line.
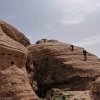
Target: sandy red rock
(14,83)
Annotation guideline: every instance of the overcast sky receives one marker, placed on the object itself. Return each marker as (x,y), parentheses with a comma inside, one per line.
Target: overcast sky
(71,21)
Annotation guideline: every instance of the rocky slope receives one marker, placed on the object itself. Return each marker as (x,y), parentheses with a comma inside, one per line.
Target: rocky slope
(60,70)
(14,83)
(57,66)
(14,33)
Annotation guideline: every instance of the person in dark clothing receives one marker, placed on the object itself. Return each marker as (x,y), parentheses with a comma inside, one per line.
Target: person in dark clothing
(63,98)
(72,47)
(85,54)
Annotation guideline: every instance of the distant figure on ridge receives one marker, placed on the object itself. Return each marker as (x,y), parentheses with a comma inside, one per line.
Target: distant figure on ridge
(85,54)
(72,47)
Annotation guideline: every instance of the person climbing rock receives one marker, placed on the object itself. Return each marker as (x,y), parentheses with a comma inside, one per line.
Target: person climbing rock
(85,54)
(72,47)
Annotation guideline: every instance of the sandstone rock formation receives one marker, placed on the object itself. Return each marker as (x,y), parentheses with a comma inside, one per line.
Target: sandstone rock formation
(63,94)
(14,83)
(47,64)
(96,89)
(14,33)
(45,41)
(57,66)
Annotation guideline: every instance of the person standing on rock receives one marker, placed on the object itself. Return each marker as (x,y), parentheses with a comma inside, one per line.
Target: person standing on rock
(85,54)
(72,47)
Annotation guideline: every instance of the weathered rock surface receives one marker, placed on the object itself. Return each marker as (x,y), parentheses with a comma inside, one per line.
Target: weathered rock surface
(14,83)
(96,89)
(45,41)
(51,63)
(57,66)
(14,33)
(63,94)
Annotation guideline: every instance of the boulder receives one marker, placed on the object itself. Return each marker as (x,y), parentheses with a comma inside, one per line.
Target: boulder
(58,94)
(14,33)
(58,66)
(14,83)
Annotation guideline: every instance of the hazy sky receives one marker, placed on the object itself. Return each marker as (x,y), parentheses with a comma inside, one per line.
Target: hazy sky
(72,21)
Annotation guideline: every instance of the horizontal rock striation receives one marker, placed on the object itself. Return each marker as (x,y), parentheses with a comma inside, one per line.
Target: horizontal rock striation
(14,33)
(14,83)
(60,67)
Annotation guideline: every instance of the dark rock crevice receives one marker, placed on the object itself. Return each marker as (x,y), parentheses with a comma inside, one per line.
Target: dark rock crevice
(43,69)
(56,66)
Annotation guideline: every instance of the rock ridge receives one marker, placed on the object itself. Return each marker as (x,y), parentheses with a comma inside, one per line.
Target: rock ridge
(14,82)
(14,33)
(60,67)
(49,69)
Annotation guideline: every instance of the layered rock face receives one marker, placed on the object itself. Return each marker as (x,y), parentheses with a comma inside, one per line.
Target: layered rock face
(58,66)
(14,33)
(51,63)
(14,83)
